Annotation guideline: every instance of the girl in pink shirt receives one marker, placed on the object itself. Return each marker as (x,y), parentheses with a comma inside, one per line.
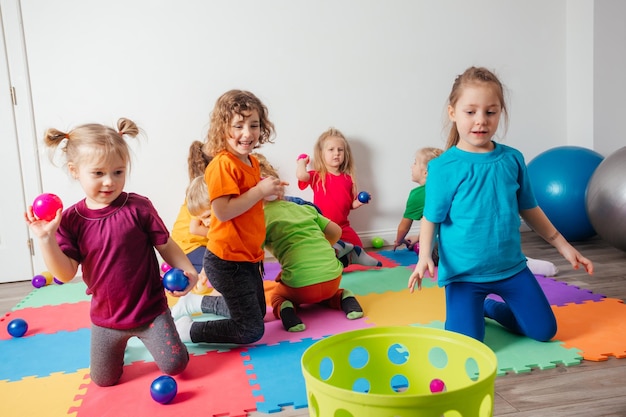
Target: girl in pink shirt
(333,181)
(112,235)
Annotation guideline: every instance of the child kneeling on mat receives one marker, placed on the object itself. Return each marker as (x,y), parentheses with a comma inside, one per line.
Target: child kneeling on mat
(301,239)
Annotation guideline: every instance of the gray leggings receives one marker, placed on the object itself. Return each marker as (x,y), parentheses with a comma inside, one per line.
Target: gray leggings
(160,338)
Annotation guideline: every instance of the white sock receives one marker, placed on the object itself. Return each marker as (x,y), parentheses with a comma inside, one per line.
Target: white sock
(540,267)
(187,305)
(183,326)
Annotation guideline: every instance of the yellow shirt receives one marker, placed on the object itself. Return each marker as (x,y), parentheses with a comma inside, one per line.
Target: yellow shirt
(187,241)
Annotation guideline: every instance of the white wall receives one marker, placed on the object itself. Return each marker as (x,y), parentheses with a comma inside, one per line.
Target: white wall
(380,71)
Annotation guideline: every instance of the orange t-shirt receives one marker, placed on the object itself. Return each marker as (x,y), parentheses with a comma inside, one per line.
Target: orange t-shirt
(241,238)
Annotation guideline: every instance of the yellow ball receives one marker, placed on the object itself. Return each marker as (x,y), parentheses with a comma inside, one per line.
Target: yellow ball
(49,277)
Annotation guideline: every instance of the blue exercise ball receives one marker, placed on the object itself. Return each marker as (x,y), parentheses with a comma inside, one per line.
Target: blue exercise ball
(606,199)
(559,178)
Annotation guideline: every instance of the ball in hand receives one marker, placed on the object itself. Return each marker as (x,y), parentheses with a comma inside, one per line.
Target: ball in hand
(175,280)
(364,197)
(46,205)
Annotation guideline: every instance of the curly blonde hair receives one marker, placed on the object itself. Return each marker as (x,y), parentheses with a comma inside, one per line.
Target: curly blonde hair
(231,103)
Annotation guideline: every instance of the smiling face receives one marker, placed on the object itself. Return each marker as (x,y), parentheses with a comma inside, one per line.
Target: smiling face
(333,153)
(477,114)
(102,180)
(245,131)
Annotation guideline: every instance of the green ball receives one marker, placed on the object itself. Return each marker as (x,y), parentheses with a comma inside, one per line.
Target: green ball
(378,242)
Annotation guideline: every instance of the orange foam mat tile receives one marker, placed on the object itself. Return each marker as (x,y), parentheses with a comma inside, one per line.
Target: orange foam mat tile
(51,396)
(598,328)
(403,308)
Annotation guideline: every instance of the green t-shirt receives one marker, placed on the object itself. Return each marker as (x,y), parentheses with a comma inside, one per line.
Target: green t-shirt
(415,203)
(294,234)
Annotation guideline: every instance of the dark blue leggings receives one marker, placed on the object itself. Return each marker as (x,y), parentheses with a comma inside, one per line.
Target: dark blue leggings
(525,309)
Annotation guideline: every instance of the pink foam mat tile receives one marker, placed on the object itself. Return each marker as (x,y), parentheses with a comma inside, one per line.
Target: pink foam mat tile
(213,385)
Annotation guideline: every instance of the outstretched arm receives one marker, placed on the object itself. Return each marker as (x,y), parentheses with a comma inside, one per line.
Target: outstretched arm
(539,222)
(403,229)
(60,265)
(425,261)
(301,172)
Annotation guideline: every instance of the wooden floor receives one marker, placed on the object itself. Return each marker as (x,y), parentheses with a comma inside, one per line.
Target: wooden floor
(589,389)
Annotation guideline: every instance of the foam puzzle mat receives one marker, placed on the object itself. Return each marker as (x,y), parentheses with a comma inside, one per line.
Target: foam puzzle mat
(46,372)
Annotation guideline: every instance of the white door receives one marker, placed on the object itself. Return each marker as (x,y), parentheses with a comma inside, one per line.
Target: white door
(16,262)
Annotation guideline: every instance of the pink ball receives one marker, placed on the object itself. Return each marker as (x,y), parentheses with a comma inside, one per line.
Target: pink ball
(437,385)
(165,267)
(46,206)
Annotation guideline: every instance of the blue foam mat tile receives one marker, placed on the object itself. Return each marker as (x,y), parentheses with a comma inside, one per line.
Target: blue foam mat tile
(280,381)
(43,354)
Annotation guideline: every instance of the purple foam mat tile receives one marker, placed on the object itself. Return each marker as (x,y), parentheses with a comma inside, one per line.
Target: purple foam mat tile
(560,293)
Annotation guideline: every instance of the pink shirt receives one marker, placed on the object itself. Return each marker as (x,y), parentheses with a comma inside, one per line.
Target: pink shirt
(335,201)
(115,247)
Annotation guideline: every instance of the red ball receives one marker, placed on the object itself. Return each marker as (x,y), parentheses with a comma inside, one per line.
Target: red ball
(46,206)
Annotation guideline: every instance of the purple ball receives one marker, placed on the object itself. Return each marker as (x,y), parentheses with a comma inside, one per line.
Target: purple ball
(175,280)
(39,281)
(17,327)
(163,389)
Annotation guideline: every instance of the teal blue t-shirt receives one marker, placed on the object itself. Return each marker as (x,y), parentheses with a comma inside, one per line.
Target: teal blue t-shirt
(476,199)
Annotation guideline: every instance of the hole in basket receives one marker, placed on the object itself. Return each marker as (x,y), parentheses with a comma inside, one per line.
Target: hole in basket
(438,357)
(399,383)
(342,413)
(471,368)
(398,354)
(326,368)
(358,358)
(361,385)
(314,408)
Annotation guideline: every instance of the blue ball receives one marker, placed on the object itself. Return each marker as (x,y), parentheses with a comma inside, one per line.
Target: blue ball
(559,178)
(17,327)
(364,197)
(163,389)
(175,280)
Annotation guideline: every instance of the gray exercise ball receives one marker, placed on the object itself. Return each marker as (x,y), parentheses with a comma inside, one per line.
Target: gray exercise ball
(605,199)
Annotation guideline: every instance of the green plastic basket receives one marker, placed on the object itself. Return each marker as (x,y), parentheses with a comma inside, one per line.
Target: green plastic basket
(399,372)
